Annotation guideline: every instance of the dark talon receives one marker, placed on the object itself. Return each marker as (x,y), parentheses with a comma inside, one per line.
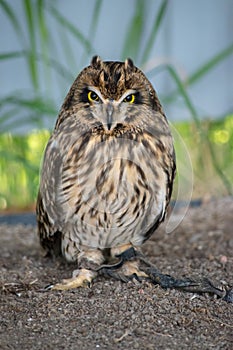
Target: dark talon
(206,286)
(136,277)
(88,284)
(48,287)
(229,296)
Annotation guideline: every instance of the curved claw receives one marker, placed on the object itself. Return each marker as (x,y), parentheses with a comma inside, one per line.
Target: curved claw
(81,278)
(229,296)
(49,287)
(204,286)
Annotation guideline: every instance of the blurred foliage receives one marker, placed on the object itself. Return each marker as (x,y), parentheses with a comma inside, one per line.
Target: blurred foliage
(210,143)
(20,159)
(216,152)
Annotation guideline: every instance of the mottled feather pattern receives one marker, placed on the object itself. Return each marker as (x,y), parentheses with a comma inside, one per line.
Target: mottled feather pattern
(109,165)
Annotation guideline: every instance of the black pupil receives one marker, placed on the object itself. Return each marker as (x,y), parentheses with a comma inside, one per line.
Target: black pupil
(94,96)
(128,98)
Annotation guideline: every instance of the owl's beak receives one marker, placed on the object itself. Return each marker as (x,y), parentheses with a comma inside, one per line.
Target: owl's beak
(109,111)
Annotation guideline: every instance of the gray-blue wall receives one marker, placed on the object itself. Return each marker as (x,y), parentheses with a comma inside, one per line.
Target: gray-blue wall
(192,33)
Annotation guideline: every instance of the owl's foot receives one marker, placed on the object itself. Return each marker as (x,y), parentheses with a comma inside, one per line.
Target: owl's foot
(81,278)
(126,268)
(128,271)
(88,260)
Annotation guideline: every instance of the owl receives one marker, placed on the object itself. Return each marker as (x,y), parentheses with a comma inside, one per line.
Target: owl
(107,174)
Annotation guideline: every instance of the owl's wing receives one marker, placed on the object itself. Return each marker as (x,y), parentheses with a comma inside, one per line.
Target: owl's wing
(50,216)
(160,218)
(166,161)
(171,173)
(54,204)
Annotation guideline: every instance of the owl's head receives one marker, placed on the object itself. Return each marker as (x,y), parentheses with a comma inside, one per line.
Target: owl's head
(113,93)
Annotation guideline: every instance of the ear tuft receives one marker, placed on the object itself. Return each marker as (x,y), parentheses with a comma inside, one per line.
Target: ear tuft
(96,62)
(129,65)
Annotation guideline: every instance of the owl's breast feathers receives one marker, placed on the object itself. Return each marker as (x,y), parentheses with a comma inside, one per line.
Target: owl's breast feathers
(105,189)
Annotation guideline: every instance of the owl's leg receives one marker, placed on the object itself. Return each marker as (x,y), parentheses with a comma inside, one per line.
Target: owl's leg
(88,261)
(127,268)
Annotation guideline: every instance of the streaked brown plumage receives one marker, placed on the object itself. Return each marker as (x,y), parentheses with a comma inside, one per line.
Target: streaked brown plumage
(108,169)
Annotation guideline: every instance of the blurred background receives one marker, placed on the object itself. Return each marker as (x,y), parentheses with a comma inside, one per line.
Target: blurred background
(184,47)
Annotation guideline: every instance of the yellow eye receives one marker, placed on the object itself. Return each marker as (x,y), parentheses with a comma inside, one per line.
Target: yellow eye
(130,98)
(92,96)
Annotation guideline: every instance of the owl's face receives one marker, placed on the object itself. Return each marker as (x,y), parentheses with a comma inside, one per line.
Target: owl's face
(114,94)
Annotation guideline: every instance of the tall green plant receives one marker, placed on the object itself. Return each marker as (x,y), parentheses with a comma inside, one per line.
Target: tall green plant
(38,49)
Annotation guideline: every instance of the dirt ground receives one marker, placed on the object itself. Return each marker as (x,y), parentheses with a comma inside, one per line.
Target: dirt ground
(115,315)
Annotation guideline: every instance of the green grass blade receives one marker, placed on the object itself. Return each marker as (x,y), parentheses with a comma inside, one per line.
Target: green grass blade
(204,137)
(157,23)
(12,17)
(49,48)
(44,42)
(184,94)
(203,70)
(30,19)
(51,63)
(62,70)
(95,19)
(44,33)
(34,104)
(7,116)
(92,30)
(133,38)
(72,29)
(11,54)
(67,48)
(226,182)
(34,120)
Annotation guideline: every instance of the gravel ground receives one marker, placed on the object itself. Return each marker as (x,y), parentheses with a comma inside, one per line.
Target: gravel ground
(115,315)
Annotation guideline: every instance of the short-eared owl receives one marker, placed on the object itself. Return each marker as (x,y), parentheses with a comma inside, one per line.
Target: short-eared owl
(107,174)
